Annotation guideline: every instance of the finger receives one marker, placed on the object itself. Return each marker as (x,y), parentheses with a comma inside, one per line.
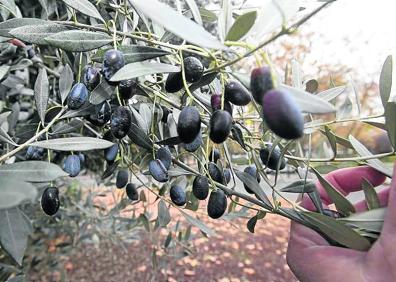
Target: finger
(382,197)
(389,227)
(346,180)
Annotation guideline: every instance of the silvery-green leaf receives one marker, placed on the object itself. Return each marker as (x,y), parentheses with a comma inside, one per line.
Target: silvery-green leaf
(14,191)
(225,18)
(297,74)
(133,53)
(385,83)
(198,223)
(146,114)
(374,163)
(8,25)
(101,93)
(207,16)
(36,34)
(300,186)
(3,71)
(141,69)
(139,137)
(68,127)
(41,93)
(331,93)
(175,172)
(345,109)
(332,139)
(195,11)
(78,40)
(174,22)
(164,216)
(14,233)
(390,121)
(65,82)
(32,171)
(4,137)
(371,220)
(253,185)
(370,195)
(74,144)
(22,64)
(85,7)
(241,26)
(10,6)
(308,102)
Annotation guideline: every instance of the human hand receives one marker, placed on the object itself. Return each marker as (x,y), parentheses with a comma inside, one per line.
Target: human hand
(312,258)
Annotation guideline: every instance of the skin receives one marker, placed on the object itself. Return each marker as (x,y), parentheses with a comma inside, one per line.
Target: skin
(311,258)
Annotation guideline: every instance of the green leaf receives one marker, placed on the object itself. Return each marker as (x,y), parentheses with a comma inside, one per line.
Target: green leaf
(374,163)
(370,195)
(238,135)
(133,53)
(390,121)
(175,172)
(371,220)
(308,102)
(78,40)
(14,191)
(253,185)
(73,144)
(4,137)
(32,171)
(331,93)
(8,25)
(176,23)
(385,82)
(65,82)
(207,16)
(300,186)
(164,216)
(195,11)
(36,34)
(251,224)
(332,139)
(241,26)
(337,231)
(4,71)
(73,126)
(101,93)
(85,7)
(14,233)
(342,204)
(41,93)
(137,136)
(141,69)
(196,222)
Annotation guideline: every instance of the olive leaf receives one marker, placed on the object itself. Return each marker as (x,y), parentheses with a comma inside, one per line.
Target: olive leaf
(41,93)
(65,82)
(241,26)
(342,204)
(179,25)
(85,7)
(14,191)
(36,34)
(78,40)
(195,11)
(331,93)
(207,16)
(251,224)
(8,25)
(364,152)
(170,141)
(370,195)
(198,223)
(72,126)
(14,232)
(385,82)
(73,144)
(110,169)
(32,171)
(138,69)
(133,53)
(300,186)
(253,185)
(101,93)
(164,216)
(139,137)
(371,220)
(337,231)
(332,139)
(238,135)
(4,137)
(390,122)
(4,71)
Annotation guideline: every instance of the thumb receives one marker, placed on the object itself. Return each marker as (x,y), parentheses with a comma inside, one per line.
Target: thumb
(390,215)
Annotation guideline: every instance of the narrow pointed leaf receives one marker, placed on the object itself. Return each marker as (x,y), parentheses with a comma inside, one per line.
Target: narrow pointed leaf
(370,195)
(4,71)
(251,224)
(32,171)
(74,144)
(332,139)
(41,93)
(14,191)
(65,82)
(198,223)
(139,137)
(85,7)
(164,216)
(8,25)
(300,186)
(385,83)
(241,26)
(390,121)
(195,11)
(253,185)
(36,34)
(102,92)
(141,69)
(331,93)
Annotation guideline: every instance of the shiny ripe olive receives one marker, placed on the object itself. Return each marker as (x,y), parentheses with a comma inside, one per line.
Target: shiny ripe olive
(102,114)
(111,153)
(189,124)
(72,165)
(50,200)
(174,82)
(271,158)
(252,170)
(215,172)
(127,88)
(227,175)
(283,115)
(158,171)
(91,77)
(122,178)
(120,122)
(194,145)
(220,126)
(260,83)
(193,69)
(178,195)
(132,192)
(200,187)
(165,156)
(77,97)
(34,153)
(217,204)
(113,61)
(165,114)
(214,155)
(236,93)
(215,102)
